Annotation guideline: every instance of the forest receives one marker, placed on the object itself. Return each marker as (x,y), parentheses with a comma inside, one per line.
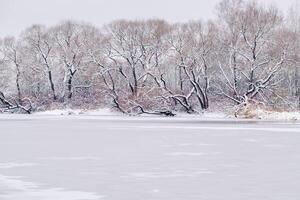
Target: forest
(248,54)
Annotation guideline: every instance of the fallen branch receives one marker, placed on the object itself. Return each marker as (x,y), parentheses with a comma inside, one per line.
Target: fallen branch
(8,105)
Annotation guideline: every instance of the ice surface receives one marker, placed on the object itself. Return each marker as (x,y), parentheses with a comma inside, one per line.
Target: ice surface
(147,158)
(12,188)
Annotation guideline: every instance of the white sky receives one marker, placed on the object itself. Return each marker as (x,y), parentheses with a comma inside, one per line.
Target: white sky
(16,15)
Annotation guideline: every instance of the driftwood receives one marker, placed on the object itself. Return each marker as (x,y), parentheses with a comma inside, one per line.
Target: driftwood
(166,113)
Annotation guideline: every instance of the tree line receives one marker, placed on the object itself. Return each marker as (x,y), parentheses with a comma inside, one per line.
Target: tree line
(249,54)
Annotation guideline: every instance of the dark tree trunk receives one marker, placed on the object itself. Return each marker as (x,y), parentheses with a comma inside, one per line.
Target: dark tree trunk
(70,88)
(52,84)
(19,98)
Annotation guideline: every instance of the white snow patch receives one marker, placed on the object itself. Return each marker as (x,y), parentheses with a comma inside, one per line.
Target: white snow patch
(14,165)
(228,128)
(191,153)
(72,158)
(204,115)
(186,154)
(250,140)
(283,116)
(15,189)
(107,114)
(98,112)
(191,144)
(174,174)
(156,191)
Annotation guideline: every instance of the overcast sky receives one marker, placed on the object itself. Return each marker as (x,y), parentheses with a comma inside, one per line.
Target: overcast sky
(16,15)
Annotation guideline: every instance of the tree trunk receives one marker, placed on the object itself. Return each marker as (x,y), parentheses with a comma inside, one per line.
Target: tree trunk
(70,88)
(135,82)
(19,97)
(51,84)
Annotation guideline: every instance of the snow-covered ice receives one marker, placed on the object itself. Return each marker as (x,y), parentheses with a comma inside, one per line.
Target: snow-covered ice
(12,188)
(46,157)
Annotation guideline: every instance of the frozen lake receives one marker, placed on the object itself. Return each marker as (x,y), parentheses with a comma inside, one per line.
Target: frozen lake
(70,158)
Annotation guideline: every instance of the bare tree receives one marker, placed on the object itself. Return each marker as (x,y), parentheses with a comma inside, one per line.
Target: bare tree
(248,56)
(13,58)
(134,54)
(253,50)
(69,50)
(293,24)
(9,55)
(40,45)
(192,47)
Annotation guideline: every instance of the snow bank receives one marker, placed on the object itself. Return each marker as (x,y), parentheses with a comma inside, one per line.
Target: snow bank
(105,113)
(283,116)
(205,115)
(259,113)
(100,112)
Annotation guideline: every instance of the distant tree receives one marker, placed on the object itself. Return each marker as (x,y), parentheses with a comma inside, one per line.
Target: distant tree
(249,55)
(69,50)
(12,53)
(255,56)
(40,46)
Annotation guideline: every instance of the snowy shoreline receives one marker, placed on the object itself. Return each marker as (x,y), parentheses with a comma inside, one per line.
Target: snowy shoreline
(260,116)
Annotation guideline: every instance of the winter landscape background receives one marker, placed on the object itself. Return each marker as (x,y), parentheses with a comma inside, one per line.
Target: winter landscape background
(243,60)
(87,112)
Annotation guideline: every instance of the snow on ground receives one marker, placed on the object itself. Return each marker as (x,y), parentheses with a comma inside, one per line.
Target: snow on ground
(284,116)
(100,112)
(257,115)
(108,112)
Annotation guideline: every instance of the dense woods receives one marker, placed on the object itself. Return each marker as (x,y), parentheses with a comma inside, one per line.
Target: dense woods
(248,55)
